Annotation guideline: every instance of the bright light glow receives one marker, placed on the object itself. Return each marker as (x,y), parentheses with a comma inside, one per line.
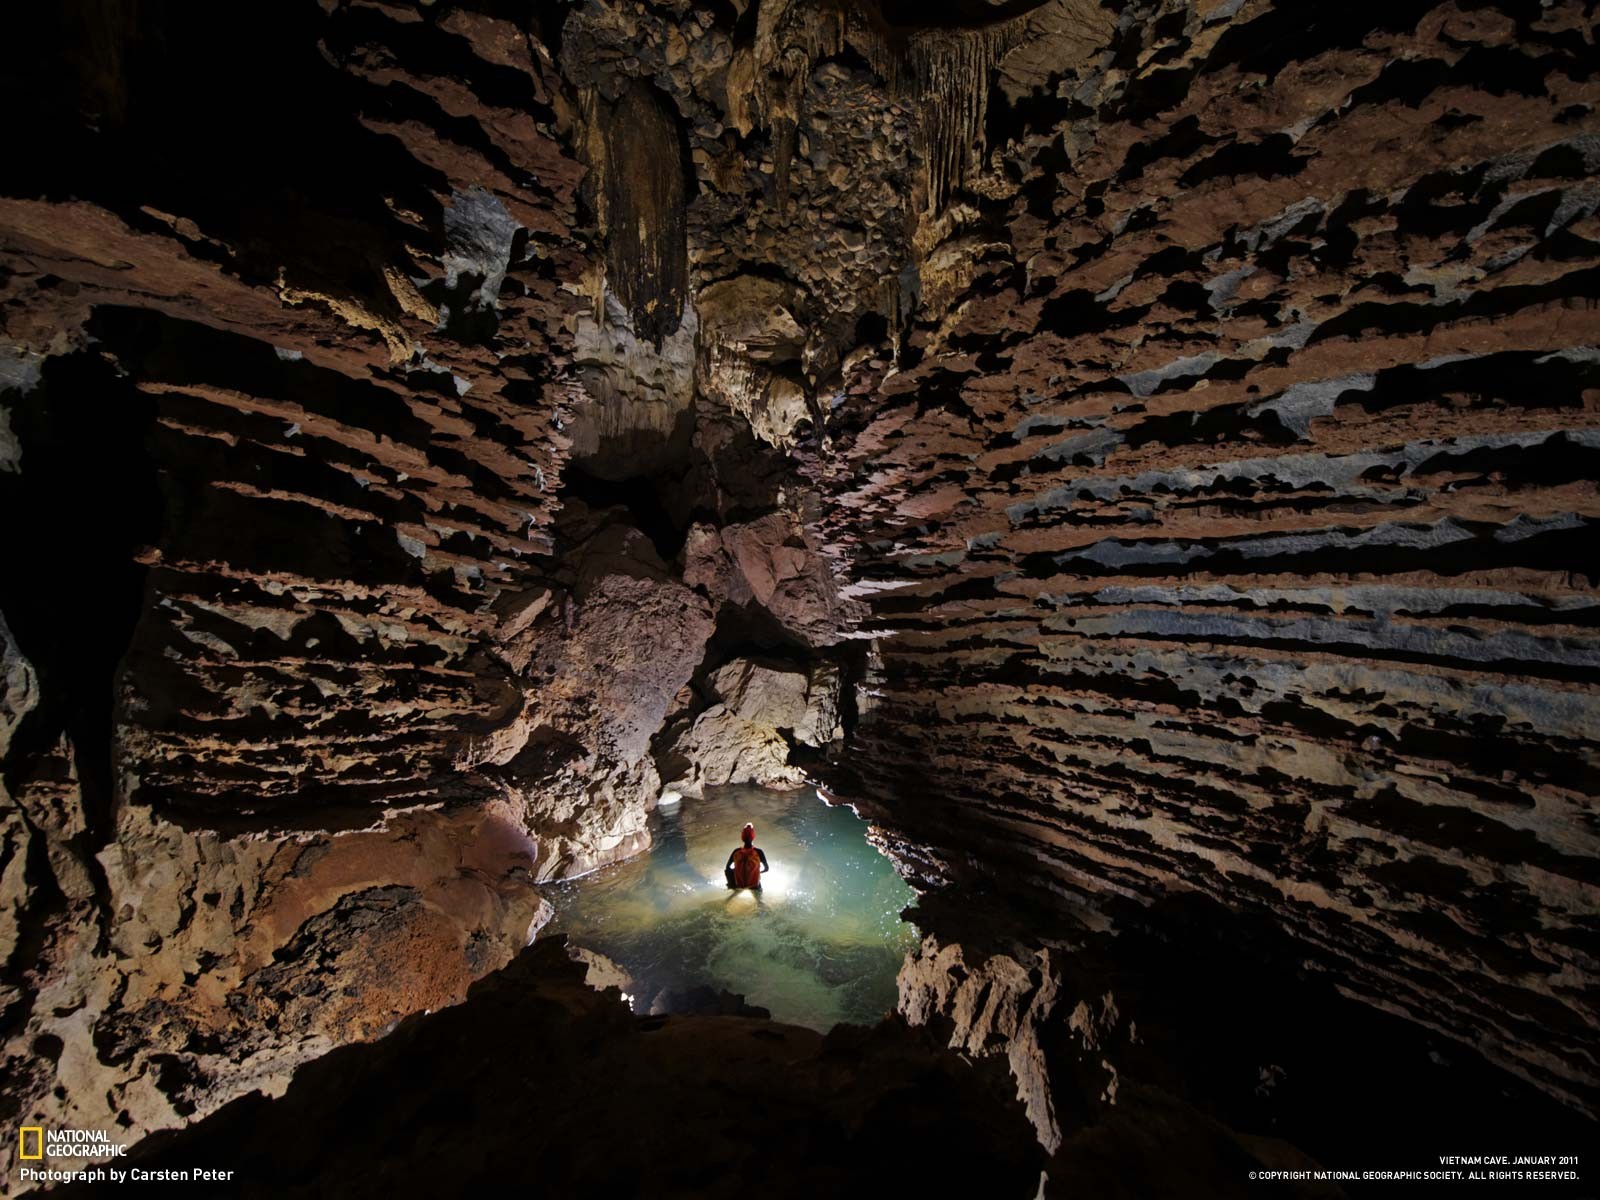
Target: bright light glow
(670,920)
(775,881)
(670,797)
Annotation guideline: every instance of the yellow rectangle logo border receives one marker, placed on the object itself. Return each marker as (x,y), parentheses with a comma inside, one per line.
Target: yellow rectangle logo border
(22,1142)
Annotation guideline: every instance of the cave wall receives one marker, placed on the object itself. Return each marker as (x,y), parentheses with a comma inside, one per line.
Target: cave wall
(350,457)
(284,395)
(1159,434)
(1230,527)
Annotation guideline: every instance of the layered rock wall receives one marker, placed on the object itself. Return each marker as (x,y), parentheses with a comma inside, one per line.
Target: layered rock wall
(1230,527)
(351,433)
(283,402)
(1161,435)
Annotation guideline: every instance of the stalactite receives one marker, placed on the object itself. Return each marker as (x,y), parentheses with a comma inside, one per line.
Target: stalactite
(894,312)
(773,404)
(785,136)
(590,144)
(767,87)
(646,248)
(951,71)
(944,74)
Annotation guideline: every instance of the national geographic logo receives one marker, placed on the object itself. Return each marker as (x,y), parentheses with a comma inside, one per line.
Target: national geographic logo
(35,1143)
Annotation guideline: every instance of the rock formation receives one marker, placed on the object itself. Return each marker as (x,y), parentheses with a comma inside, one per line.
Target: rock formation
(1141,454)
(413,1114)
(1225,530)
(758,714)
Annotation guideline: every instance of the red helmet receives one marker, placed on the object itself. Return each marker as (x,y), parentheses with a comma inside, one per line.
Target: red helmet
(749,833)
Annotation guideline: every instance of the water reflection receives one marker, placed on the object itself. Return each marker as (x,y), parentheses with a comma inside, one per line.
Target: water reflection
(819,944)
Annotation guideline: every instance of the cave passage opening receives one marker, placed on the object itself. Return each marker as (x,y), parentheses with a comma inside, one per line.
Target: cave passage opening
(821,944)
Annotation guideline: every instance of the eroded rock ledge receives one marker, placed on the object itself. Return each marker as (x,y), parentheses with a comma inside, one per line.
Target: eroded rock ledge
(1228,525)
(1199,1010)
(342,614)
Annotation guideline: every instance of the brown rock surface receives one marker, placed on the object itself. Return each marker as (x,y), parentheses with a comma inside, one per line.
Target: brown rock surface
(1228,526)
(282,435)
(700,1106)
(1160,435)
(599,676)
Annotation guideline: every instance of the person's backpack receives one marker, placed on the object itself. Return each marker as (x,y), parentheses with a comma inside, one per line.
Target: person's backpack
(747,867)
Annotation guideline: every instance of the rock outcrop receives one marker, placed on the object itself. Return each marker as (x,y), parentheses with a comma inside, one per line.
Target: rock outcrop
(306,686)
(1100,1030)
(760,714)
(883,1110)
(283,407)
(599,676)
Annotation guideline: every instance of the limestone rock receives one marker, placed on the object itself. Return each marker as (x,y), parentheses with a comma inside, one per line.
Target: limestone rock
(15,841)
(802,703)
(1192,405)
(600,973)
(233,960)
(773,563)
(646,252)
(998,1006)
(751,350)
(829,1104)
(722,747)
(635,412)
(748,735)
(19,687)
(1202,561)
(599,677)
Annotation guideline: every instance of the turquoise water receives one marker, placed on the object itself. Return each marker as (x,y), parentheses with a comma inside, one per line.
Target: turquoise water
(820,944)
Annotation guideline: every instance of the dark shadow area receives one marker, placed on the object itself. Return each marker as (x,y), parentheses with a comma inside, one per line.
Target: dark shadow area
(83,504)
(645,497)
(235,115)
(1225,1013)
(539,1084)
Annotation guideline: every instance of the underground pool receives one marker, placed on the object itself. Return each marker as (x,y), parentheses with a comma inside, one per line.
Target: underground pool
(820,944)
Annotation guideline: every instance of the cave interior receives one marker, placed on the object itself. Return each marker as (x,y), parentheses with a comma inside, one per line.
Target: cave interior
(1131,452)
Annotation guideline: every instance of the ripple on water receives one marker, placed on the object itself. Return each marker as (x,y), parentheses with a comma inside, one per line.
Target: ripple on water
(821,944)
